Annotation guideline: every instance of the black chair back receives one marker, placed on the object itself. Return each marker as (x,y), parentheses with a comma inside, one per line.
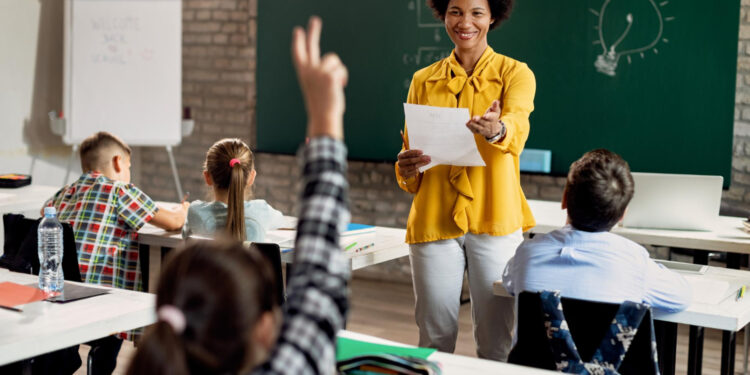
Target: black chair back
(272,253)
(587,322)
(20,248)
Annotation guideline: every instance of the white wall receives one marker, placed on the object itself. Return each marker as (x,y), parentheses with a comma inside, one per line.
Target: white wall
(30,86)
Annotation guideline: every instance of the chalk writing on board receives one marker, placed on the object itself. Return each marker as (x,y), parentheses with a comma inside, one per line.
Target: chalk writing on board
(616,20)
(426,53)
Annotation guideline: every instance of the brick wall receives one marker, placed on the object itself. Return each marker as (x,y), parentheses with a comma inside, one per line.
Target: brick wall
(219,85)
(738,194)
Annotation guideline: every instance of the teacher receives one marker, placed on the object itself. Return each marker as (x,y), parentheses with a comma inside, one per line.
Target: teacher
(469,218)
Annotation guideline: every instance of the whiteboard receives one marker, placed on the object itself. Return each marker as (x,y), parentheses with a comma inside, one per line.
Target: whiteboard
(123,70)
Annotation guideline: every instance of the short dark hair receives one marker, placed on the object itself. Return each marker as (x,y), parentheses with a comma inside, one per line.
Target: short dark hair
(499,9)
(598,190)
(99,148)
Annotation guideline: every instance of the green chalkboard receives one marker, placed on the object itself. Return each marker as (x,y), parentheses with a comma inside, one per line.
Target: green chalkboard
(667,105)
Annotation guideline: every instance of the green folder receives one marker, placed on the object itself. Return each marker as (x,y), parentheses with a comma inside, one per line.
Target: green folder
(348,348)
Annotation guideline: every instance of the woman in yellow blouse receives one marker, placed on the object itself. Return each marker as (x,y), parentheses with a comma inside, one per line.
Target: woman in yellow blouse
(469,217)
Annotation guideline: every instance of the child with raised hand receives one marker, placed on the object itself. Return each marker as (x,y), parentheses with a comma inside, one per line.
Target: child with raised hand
(229,169)
(317,298)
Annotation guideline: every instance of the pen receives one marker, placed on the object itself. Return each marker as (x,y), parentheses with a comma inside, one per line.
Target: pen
(740,293)
(11,308)
(350,246)
(185,197)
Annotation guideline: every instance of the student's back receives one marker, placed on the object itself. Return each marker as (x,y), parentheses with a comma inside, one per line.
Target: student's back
(584,260)
(209,218)
(595,266)
(105,214)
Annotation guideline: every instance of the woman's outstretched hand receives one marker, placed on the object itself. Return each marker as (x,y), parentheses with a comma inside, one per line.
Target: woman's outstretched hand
(488,125)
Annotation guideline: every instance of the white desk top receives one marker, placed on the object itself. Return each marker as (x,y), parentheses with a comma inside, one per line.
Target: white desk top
(728,315)
(27,198)
(457,364)
(728,235)
(389,244)
(43,327)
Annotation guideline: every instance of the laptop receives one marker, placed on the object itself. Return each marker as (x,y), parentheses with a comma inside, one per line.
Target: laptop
(674,201)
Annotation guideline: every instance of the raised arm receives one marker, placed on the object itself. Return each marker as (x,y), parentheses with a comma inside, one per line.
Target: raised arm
(317,290)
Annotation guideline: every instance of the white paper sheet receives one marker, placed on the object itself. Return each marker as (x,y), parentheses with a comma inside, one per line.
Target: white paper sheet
(708,291)
(441,134)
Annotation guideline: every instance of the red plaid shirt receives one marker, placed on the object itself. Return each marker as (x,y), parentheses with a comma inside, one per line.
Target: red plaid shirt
(105,216)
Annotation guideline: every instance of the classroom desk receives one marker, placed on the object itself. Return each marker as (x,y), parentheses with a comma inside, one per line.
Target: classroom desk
(457,364)
(27,200)
(389,244)
(43,327)
(728,315)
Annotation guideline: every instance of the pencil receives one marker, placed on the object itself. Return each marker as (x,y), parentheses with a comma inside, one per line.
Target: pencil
(403,139)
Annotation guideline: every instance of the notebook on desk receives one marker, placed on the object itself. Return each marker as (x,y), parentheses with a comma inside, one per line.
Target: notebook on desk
(674,201)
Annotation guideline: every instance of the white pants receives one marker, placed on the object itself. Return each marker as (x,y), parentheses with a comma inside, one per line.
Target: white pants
(437,274)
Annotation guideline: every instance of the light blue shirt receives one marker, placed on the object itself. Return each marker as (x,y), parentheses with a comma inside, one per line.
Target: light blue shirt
(595,266)
(208,218)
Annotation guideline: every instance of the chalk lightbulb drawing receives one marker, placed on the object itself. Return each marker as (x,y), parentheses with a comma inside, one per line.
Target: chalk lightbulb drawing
(607,61)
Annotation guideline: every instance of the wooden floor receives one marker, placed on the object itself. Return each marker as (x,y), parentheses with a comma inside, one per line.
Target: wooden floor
(386,310)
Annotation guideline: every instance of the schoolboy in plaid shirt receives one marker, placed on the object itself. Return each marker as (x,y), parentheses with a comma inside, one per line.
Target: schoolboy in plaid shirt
(106,211)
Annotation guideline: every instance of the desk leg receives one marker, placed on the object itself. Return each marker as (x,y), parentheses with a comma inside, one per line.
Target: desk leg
(666,344)
(728,341)
(695,351)
(154,267)
(734,260)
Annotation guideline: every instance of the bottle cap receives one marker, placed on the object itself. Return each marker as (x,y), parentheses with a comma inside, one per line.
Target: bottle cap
(49,211)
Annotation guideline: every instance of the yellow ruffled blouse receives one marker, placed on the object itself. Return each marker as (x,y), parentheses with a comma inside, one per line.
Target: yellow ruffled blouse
(450,200)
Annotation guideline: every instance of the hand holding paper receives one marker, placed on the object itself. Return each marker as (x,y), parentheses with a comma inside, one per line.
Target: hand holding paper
(441,133)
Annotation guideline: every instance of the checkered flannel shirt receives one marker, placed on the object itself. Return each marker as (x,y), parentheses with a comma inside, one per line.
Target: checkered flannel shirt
(105,216)
(317,291)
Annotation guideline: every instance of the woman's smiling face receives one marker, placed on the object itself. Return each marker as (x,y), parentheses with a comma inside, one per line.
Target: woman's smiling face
(467,23)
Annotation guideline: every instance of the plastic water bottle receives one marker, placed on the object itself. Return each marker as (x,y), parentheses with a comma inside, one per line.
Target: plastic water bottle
(50,248)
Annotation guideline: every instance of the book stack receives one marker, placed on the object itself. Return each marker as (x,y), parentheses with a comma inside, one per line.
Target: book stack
(358,238)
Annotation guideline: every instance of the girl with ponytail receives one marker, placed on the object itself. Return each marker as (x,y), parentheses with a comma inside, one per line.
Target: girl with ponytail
(217,313)
(230,171)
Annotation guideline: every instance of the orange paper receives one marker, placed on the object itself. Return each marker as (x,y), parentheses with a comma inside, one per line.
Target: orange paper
(12,294)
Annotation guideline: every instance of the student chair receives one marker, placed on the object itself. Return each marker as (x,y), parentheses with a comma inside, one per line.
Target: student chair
(20,247)
(588,322)
(272,253)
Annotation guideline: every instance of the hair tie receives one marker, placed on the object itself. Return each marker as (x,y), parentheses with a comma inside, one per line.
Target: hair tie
(172,316)
(234,162)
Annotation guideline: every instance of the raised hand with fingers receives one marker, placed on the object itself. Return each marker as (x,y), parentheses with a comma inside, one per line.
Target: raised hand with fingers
(322,81)
(489,124)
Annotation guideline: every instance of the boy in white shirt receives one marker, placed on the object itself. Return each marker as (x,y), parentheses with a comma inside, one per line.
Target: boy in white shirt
(583,260)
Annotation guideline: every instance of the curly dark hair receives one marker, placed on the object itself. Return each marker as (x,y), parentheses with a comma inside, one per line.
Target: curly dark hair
(499,9)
